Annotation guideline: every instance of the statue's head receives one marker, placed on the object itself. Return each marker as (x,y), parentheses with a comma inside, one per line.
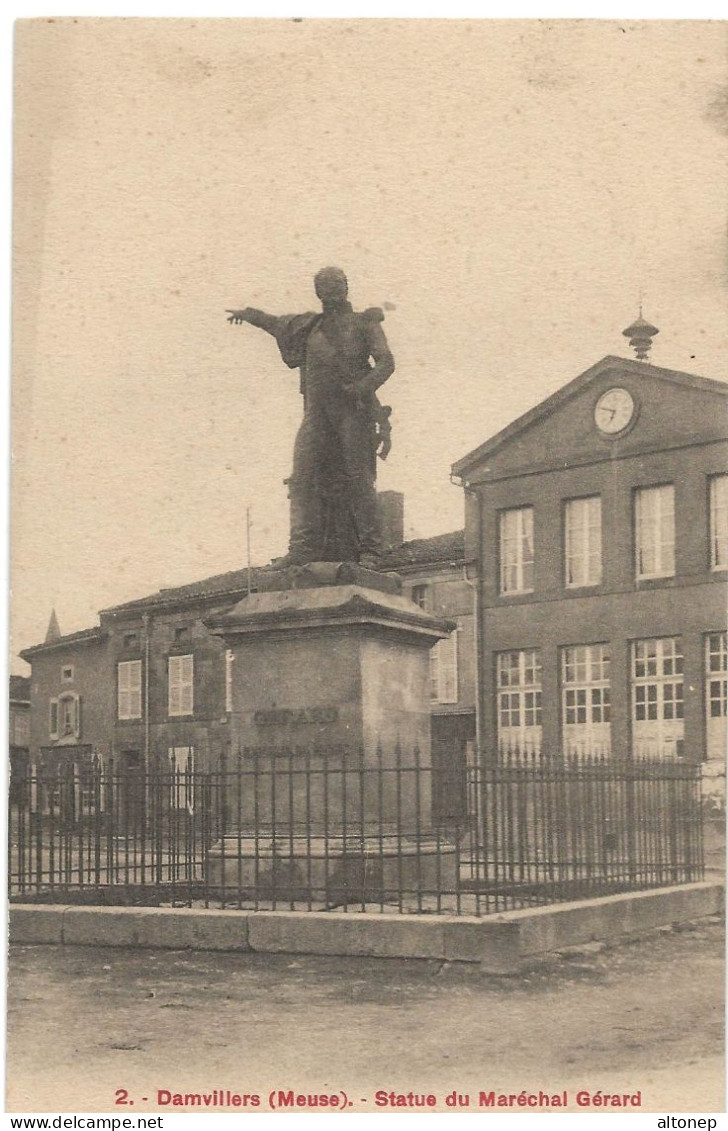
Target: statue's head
(331,285)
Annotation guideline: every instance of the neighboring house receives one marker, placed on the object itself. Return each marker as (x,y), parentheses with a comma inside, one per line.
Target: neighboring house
(19,729)
(150,685)
(597,525)
(433,575)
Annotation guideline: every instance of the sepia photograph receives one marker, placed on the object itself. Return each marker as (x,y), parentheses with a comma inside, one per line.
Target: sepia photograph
(368,675)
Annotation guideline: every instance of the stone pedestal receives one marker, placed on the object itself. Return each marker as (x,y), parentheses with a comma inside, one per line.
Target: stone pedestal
(331,739)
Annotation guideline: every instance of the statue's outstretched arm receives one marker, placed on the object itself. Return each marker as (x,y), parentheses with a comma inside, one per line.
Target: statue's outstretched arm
(259,318)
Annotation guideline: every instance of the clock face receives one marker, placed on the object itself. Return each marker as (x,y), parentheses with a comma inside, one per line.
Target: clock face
(613,411)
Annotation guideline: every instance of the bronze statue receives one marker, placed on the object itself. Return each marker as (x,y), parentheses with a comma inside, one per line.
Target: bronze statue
(343,358)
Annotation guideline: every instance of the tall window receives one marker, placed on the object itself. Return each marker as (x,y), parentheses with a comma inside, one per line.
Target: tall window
(516,550)
(719,522)
(228,680)
(583,541)
(657,697)
(444,670)
(181,676)
(655,531)
(716,693)
(20,729)
(519,700)
(53,718)
(129,689)
(585,702)
(65,716)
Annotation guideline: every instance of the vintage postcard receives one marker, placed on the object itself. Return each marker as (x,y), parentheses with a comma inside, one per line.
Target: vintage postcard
(369,547)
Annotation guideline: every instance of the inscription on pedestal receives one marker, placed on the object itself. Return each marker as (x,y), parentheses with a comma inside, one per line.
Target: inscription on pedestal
(319,750)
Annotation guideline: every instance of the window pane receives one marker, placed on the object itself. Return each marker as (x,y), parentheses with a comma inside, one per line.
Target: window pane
(519,708)
(658,728)
(719,521)
(516,550)
(583,550)
(655,531)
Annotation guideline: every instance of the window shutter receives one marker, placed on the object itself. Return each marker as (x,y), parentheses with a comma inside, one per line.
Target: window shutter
(181,673)
(186,689)
(434,669)
(228,680)
(53,718)
(135,690)
(448,669)
(443,670)
(123,691)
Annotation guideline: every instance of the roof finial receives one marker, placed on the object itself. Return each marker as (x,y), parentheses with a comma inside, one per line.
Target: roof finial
(640,334)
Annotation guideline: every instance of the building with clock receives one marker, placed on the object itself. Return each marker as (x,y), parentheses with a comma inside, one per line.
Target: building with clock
(597,534)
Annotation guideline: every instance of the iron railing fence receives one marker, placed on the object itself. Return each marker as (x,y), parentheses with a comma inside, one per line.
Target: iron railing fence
(310,831)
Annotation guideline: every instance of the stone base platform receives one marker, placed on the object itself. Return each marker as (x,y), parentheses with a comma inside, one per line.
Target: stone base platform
(332,870)
(498,944)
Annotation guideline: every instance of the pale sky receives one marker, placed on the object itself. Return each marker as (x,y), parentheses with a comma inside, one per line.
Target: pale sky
(509,187)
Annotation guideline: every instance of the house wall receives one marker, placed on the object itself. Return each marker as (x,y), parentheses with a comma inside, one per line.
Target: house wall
(207,728)
(155,633)
(449,595)
(91,682)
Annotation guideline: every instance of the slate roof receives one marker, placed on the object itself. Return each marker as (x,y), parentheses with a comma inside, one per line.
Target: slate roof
(86,635)
(442,549)
(427,551)
(420,551)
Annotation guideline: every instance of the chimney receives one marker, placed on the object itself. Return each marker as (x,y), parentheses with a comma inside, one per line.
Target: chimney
(390,505)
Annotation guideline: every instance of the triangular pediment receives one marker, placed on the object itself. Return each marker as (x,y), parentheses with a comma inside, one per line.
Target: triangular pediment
(670,409)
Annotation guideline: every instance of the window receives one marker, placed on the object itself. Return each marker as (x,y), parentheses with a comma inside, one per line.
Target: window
(655,531)
(719,522)
(67,673)
(182,633)
(516,550)
(657,697)
(182,767)
(65,716)
(21,729)
(583,541)
(444,670)
(716,693)
(585,702)
(519,700)
(229,680)
(131,639)
(180,698)
(419,595)
(129,685)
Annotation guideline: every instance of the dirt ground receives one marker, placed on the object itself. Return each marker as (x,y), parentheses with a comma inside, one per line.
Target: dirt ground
(645,1016)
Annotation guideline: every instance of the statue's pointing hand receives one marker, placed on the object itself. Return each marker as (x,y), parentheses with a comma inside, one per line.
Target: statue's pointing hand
(237,316)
